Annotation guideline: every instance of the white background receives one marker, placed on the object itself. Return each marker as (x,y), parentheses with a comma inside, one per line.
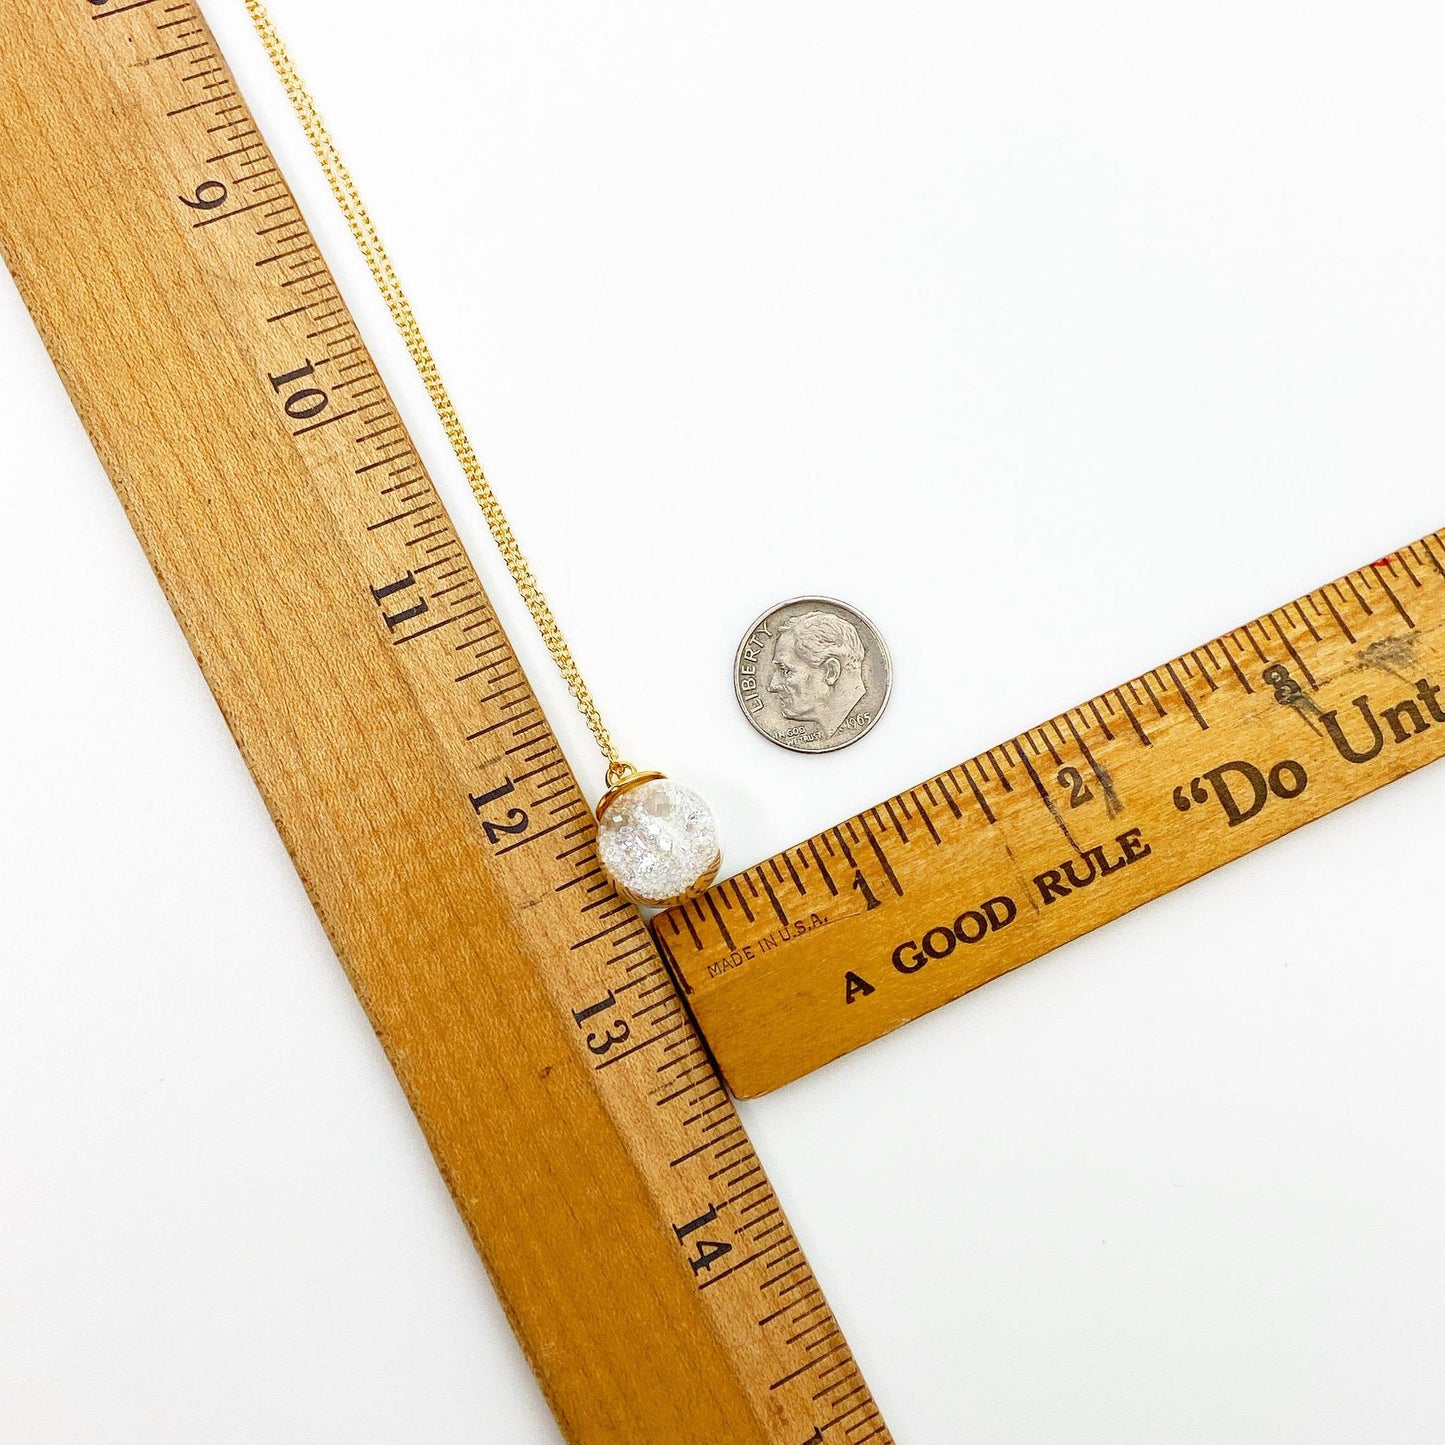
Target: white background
(1058,338)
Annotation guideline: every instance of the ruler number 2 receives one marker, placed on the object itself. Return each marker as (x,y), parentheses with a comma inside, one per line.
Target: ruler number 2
(1079,791)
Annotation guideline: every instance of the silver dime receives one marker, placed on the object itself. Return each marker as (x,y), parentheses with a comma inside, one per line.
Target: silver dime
(812,675)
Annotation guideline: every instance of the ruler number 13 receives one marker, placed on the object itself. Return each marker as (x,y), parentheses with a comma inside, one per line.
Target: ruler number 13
(616,1032)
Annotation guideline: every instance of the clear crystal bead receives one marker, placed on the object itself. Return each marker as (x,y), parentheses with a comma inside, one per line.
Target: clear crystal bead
(658,840)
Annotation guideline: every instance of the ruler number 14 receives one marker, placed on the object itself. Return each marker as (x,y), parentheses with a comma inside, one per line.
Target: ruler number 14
(707,1251)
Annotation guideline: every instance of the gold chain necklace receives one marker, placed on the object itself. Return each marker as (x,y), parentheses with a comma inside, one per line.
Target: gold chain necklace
(657,840)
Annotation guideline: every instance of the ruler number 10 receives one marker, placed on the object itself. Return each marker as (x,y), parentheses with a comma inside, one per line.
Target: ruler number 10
(301,403)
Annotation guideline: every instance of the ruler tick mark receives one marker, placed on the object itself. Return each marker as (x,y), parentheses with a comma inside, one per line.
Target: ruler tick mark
(927,821)
(772,898)
(1099,718)
(1355,591)
(978,796)
(120,9)
(1290,648)
(1394,601)
(822,868)
(1235,667)
(422,631)
(1430,553)
(1187,697)
(722,927)
(742,902)
(226,216)
(885,865)
(1143,737)
(1149,693)
(1004,783)
(183,50)
(1307,624)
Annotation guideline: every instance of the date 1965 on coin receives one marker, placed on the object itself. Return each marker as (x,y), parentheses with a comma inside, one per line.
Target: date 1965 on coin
(812,675)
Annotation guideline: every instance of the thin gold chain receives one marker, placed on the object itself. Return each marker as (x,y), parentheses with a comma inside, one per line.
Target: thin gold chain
(352,207)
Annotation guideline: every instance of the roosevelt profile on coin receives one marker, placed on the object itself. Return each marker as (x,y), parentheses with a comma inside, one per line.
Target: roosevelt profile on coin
(817,670)
(812,675)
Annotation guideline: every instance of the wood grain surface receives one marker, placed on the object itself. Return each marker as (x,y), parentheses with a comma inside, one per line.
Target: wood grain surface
(633,1238)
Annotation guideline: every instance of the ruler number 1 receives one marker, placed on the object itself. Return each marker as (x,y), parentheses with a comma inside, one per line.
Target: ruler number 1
(860,885)
(709,1251)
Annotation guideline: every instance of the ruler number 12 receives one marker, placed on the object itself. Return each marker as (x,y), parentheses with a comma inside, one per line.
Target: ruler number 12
(516,821)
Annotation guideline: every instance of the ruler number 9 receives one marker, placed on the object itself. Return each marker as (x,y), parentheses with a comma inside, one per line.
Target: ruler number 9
(1079,791)
(208,196)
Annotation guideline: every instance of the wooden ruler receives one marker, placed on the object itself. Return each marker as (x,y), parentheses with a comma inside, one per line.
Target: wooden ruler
(637,1246)
(904,907)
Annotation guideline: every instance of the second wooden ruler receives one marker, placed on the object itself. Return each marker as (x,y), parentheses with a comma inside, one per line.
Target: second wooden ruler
(910,904)
(635,1242)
